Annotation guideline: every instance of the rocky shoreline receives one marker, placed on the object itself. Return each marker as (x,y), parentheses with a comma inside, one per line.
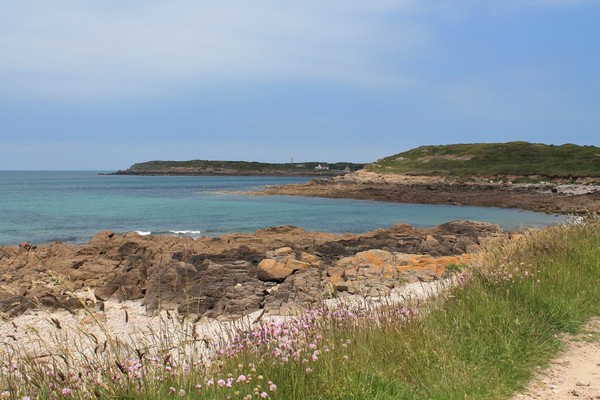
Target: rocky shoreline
(548,197)
(279,270)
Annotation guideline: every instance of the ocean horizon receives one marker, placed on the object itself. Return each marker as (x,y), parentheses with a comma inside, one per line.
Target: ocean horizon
(71,206)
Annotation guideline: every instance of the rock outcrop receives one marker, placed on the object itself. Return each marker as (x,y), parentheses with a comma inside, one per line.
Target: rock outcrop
(555,197)
(277,269)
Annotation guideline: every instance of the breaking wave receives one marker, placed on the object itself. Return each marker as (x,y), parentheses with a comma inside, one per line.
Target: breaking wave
(179,233)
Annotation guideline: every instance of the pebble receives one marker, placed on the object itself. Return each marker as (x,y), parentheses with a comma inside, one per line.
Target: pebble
(575,392)
(580,383)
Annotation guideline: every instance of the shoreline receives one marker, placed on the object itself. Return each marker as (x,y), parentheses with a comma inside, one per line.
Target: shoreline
(547,197)
(279,269)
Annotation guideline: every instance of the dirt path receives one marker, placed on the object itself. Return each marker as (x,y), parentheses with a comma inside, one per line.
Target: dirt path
(575,374)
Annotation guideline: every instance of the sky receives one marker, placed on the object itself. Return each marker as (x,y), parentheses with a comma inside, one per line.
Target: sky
(100,85)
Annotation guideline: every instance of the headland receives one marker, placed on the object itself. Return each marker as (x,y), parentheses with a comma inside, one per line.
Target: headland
(239,168)
(553,179)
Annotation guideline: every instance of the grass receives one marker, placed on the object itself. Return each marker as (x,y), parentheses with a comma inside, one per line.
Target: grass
(481,340)
(528,161)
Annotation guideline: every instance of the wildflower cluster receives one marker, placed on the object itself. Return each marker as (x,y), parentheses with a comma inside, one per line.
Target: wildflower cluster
(301,343)
(510,272)
(296,340)
(141,376)
(246,383)
(166,367)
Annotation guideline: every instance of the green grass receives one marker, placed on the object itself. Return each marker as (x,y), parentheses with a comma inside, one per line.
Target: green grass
(524,159)
(481,340)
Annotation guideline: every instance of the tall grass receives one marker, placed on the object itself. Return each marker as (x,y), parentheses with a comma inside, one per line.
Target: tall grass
(480,340)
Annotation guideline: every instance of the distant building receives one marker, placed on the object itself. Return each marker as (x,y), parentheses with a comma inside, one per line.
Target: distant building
(322,166)
(347,169)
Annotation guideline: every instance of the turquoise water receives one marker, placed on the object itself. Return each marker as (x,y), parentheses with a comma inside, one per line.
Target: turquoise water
(70,206)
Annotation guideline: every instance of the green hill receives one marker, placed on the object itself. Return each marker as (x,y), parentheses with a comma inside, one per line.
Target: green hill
(211,167)
(523,159)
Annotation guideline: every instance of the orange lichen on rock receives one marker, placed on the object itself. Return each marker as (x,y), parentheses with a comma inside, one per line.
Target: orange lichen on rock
(372,263)
(437,264)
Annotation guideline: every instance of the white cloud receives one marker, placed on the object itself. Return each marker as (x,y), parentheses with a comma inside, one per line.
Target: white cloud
(82,48)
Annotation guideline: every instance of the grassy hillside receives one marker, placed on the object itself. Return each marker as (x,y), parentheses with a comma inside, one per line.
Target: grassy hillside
(210,167)
(495,159)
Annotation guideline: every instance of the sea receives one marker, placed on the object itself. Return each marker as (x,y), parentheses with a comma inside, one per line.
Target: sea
(71,206)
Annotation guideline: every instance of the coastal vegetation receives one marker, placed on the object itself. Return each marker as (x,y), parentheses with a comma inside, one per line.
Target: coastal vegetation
(511,161)
(211,167)
(499,160)
(481,339)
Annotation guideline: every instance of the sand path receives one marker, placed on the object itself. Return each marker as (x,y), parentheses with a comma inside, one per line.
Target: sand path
(575,373)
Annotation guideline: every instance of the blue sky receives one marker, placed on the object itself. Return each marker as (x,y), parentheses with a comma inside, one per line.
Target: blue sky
(105,84)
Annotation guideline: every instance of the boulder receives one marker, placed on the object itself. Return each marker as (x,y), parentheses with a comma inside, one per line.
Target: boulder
(311,259)
(239,300)
(299,291)
(209,289)
(283,252)
(279,268)
(272,270)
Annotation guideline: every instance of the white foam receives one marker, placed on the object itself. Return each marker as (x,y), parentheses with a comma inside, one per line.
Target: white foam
(143,233)
(187,233)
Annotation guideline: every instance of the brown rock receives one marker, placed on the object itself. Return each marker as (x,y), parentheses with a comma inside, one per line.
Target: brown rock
(296,265)
(273,270)
(283,252)
(304,288)
(101,238)
(222,275)
(312,259)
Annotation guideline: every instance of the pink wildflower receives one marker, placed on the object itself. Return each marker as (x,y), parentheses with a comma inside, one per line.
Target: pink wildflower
(66,392)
